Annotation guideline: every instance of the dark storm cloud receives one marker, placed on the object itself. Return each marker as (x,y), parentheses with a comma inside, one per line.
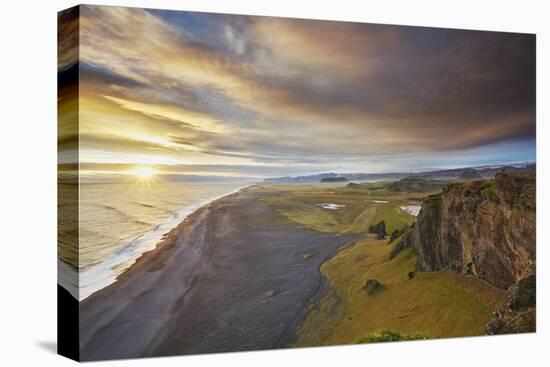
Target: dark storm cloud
(431,82)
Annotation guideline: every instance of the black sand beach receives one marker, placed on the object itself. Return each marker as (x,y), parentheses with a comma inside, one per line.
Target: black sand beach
(232,277)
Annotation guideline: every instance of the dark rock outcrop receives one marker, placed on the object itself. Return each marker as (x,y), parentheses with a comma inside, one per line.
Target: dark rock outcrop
(379,229)
(407,241)
(398,233)
(371,286)
(518,315)
(485,227)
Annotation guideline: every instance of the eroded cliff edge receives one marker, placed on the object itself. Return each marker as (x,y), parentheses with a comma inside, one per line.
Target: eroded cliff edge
(486,228)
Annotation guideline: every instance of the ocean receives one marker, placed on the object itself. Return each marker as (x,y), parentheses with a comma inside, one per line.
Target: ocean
(119,222)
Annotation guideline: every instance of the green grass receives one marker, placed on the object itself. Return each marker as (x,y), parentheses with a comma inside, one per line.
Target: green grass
(362,222)
(412,184)
(389,336)
(488,191)
(300,205)
(393,216)
(437,304)
(314,218)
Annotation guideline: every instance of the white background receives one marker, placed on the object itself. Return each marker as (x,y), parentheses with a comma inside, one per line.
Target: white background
(28,182)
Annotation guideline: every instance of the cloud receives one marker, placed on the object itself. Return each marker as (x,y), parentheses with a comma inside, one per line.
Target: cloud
(138,45)
(67,38)
(422,86)
(172,113)
(206,87)
(298,46)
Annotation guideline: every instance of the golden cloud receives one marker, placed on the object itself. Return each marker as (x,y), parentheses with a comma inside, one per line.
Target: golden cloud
(196,120)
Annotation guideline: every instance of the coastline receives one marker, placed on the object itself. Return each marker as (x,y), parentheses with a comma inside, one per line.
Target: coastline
(205,286)
(108,271)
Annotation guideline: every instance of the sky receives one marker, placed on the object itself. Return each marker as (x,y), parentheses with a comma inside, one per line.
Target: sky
(229,96)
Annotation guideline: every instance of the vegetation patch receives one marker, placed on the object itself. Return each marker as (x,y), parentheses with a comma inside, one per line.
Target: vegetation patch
(315,218)
(414,184)
(393,217)
(357,208)
(307,256)
(435,304)
(488,191)
(270,293)
(390,336)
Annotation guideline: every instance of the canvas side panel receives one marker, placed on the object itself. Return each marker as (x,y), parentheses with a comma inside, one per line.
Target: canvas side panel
(67,184)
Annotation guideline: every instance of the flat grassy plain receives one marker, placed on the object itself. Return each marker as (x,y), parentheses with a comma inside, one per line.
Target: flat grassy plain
(369,204)
(433,305)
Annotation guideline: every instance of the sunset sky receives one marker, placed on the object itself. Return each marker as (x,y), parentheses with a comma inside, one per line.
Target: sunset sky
(252,97)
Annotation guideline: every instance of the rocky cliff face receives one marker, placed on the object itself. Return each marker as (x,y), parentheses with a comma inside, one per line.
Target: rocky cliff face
(484,227)
(518,314)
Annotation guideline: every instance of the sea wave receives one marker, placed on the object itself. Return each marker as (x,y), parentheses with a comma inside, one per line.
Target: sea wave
(123,214)
(93,278)
(156,207)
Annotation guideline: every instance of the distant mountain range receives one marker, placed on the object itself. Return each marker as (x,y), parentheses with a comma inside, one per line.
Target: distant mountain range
(488,171)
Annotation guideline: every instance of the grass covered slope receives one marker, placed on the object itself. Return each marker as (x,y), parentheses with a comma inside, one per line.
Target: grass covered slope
(439,304)
(414,184)
(428,305)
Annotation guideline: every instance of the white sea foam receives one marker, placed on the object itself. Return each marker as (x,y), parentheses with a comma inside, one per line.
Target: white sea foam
(95,277)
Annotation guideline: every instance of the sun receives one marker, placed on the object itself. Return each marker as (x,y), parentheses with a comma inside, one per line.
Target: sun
(143,173)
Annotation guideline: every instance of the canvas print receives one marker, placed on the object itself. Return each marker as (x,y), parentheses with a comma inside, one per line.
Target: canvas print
(235,183)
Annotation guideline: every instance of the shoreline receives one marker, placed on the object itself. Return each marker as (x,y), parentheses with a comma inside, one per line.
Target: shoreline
(229,277)
(114,265)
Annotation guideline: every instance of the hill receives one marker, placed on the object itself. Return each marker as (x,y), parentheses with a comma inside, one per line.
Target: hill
(414,184)
(486,229)
(333,179)
(446,174)
(465,267)
(470,174)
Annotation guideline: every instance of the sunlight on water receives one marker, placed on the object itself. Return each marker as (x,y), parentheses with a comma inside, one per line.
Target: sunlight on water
(119,222)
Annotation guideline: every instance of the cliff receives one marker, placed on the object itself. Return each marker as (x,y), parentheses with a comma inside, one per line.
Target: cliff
(484,227)
(518,314)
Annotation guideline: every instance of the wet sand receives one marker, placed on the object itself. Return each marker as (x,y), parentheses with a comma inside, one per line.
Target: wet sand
(231,277)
